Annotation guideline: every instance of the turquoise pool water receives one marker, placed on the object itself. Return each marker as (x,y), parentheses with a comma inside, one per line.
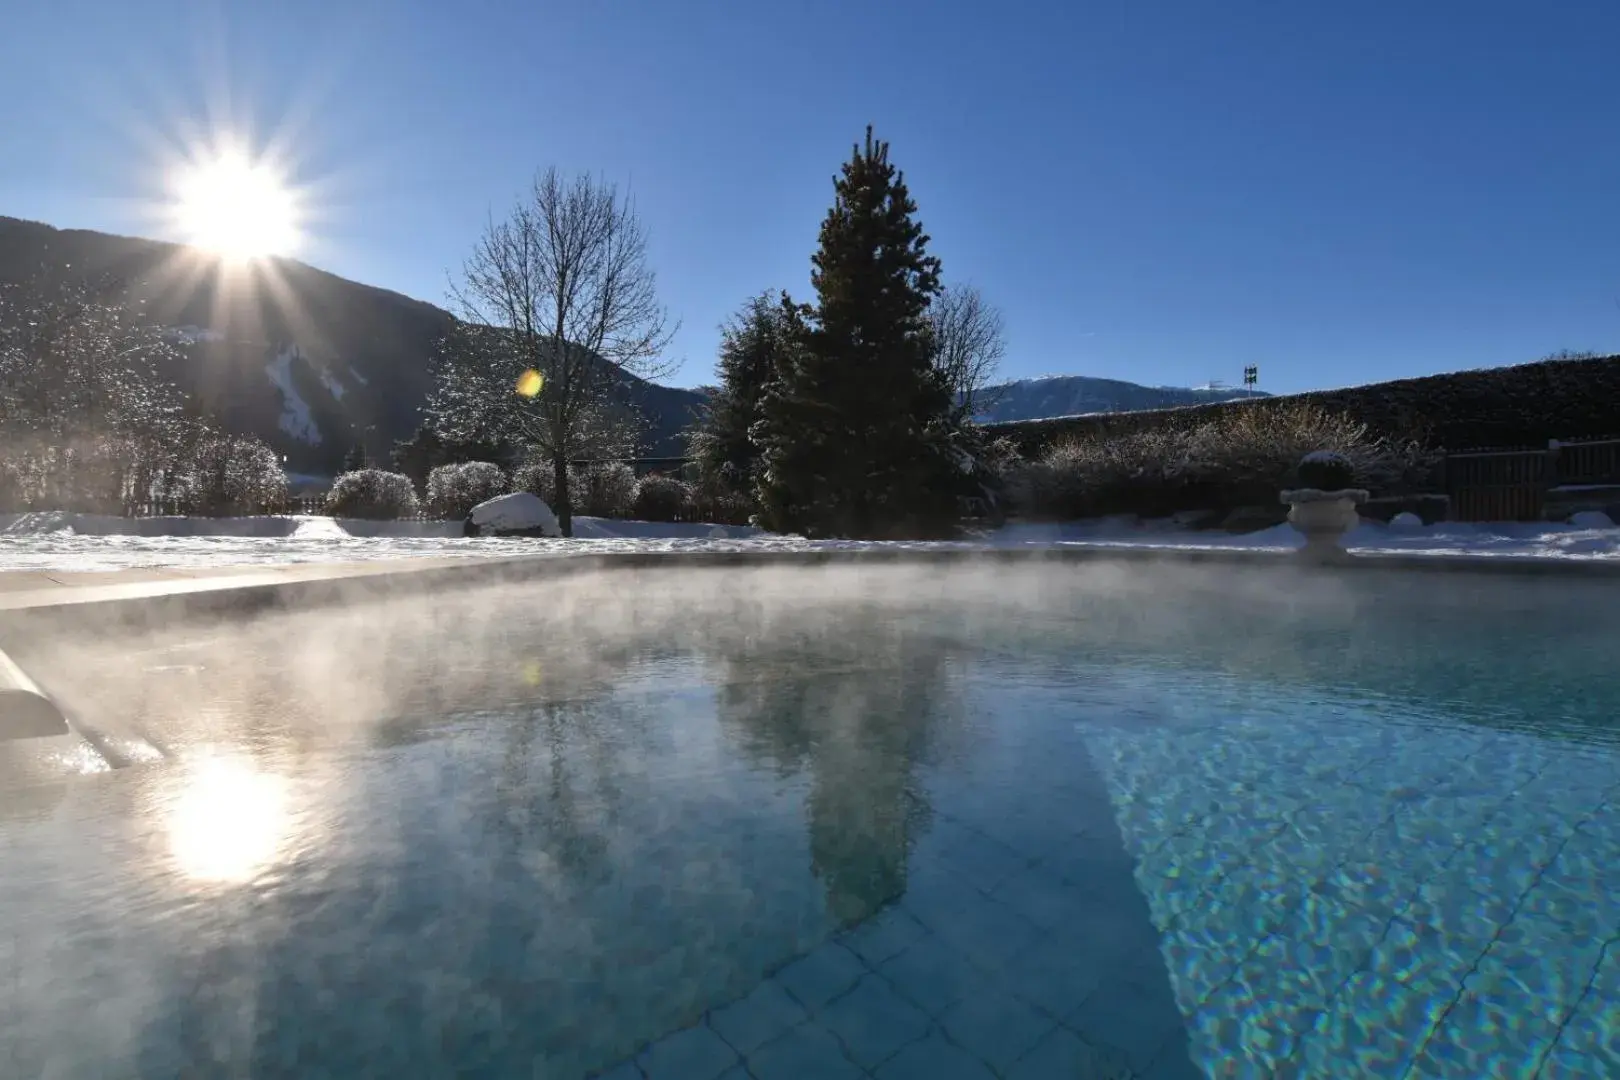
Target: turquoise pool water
(1036,824)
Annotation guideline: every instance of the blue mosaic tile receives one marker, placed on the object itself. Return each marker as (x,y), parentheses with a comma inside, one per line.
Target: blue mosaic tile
(1063,1053)
(1137,1020)
(932,975)
(764,1014)
(884,936)
(975,858)
(1590,1036)
(1498,867)
(1374,1026)
(808,1052)
(696,1053)
(995,1027)
(987,932)
(932,1058)
(1417,954)
(872,1021)
(1056,979)
(821,975)
(1487,1032)
(1447,905)
(1539,965)
(1041,897)
(1298,973)
(1196,972)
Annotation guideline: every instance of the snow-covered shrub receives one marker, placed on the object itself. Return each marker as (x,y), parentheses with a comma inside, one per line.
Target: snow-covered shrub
(1235,457)
(538,478)
(1325,470)
(604,490)
(372,493)
(662,498)
(453,490)
(230,476)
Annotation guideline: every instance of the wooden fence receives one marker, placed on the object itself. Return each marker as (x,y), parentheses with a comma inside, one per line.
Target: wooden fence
(1513,485)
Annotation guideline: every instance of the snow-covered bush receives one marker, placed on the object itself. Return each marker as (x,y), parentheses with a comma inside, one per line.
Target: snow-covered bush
(1235,457)
(538,478)
(604,490)
(230,476)
(453,490)
(662,498)
(372,493)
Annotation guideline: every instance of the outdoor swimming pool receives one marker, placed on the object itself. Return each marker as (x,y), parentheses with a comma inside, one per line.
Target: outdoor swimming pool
(1047,822)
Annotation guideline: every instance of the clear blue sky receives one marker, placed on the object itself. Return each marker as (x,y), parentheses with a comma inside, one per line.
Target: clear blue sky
(1157,191)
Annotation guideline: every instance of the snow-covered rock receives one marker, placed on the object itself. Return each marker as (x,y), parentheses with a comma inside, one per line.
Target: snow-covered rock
(518,514)
(1406,521)
(1591,519)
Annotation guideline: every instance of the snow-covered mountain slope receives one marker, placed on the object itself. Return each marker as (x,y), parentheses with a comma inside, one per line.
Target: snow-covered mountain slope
(311,362)
(1073,395)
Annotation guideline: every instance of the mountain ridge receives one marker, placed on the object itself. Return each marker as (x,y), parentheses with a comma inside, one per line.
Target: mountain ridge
(314,363)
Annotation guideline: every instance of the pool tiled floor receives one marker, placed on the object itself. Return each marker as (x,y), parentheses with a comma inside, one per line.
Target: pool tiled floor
(1436,910)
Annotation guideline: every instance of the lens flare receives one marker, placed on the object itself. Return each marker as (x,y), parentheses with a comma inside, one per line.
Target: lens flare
(530,383)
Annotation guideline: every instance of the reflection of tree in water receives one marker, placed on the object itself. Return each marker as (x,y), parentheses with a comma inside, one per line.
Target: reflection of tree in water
(856,697)
(558,793)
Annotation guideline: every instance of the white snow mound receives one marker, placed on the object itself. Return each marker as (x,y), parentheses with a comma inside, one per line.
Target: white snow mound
(521,511)
(316,528)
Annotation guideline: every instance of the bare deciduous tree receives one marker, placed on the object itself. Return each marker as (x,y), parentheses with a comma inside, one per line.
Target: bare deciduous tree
(562,288)
(969,344)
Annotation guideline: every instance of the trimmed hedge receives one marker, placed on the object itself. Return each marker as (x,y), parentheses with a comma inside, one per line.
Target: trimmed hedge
(1525,405)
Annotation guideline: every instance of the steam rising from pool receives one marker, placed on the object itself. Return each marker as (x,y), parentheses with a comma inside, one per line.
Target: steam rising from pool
(272,728)
(298,682)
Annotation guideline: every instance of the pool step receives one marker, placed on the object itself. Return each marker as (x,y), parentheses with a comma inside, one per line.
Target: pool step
(25,711)
(31,716)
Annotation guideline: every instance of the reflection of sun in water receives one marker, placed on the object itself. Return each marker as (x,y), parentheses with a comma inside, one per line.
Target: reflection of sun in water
(231,204)
(228,821)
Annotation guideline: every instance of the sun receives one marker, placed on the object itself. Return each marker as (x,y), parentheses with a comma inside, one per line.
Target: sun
(233,205)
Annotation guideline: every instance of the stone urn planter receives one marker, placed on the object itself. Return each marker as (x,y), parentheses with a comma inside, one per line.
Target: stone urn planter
(1323,508)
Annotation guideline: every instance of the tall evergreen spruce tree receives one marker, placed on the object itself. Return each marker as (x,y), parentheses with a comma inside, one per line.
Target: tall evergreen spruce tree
(752,343)
(852,432)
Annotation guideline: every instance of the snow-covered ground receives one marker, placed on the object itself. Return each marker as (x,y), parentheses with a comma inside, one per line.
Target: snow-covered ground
(74,542)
